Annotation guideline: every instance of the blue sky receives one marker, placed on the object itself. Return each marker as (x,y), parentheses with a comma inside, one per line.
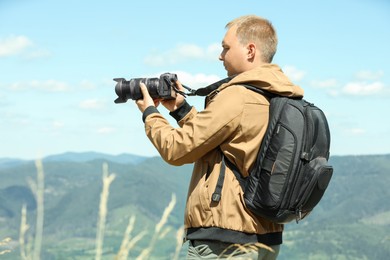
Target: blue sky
(58,59)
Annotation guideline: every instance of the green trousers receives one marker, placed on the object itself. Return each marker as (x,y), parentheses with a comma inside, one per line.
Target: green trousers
(207,249)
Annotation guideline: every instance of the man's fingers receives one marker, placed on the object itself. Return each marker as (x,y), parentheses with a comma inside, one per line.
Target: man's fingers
(143,88)
(156,102)
(179,86)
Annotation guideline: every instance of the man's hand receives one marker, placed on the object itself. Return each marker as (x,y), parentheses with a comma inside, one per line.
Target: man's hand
(173,104)
(170,104)
(147,100)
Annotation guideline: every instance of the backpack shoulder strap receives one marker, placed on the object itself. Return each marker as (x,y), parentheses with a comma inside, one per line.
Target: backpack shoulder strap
(216,197)
(260,91)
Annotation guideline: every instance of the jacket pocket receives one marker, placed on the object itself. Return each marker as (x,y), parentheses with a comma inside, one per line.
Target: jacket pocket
(204,187)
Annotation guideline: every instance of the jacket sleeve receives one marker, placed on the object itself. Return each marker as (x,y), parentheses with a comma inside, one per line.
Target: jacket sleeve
(181,112)
(200,132)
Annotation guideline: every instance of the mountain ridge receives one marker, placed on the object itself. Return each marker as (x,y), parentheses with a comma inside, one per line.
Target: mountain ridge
(352,214)
(123,158)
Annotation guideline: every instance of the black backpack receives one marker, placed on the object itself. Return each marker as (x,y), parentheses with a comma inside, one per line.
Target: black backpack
(291,172)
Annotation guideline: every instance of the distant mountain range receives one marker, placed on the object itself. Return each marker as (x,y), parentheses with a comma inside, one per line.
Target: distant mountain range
(123,158)
(352,220)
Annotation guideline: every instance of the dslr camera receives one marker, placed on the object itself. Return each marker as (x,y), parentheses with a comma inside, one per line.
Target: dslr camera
(163,87)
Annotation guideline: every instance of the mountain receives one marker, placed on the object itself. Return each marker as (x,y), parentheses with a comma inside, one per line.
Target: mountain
(10,162)
(90,156)
(72,194)
(123,158)
(352,221)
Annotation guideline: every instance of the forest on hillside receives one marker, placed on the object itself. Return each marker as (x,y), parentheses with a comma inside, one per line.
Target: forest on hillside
(351,222)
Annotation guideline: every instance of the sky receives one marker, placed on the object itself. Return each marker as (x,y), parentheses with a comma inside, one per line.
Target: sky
(58,60)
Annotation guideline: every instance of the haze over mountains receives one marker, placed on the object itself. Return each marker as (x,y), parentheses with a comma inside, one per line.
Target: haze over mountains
(351,222)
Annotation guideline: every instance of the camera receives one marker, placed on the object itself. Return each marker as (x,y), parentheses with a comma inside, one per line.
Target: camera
(163,87)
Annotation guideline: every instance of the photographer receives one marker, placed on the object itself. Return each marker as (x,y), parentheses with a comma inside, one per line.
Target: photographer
(233,123)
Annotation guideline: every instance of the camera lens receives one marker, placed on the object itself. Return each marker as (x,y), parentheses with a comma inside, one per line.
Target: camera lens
(152,85)
(157,87)
(121,88)
(134,89)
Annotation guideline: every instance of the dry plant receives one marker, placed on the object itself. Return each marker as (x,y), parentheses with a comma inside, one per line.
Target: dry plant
(38,188)
(246,248)
(107,179)
(5,242)
(179,242)
(128,244)
(39,194)
(25,252)
(158,233)
(30,249)
(123,252)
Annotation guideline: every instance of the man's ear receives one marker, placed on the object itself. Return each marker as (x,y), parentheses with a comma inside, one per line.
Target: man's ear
(251,47)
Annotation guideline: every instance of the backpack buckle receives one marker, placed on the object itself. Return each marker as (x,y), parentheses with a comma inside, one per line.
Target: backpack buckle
(305,156)
(216,197)
(298,215)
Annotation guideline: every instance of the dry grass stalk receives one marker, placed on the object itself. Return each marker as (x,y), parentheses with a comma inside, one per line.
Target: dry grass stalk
(179,242)
(123,253)
(166,214)
(5,242)
(24,254)
(246,248)
(107,179)
(39,194)
(164,233)
(145,254)
(128,244)
(38,189)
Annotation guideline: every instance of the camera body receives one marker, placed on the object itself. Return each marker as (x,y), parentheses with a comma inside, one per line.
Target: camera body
(163,87)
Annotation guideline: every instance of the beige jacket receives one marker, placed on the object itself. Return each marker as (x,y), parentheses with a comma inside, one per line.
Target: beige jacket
(234,120)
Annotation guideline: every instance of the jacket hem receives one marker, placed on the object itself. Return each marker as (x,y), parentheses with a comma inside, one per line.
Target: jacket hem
(234,237)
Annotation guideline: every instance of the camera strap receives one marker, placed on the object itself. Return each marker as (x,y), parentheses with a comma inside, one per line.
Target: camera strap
(192,92)
(205,90)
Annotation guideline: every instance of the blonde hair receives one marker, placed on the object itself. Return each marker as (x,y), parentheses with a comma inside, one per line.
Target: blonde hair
(252,28)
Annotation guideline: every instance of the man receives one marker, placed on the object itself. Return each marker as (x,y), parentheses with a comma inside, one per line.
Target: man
(233,123)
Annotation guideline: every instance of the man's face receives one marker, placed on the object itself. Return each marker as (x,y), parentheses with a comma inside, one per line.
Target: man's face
(234,54)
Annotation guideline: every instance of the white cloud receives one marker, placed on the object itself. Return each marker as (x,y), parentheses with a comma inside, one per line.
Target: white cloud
(334,93)
(183,52)
(366,83)
(44,85)
(369,75)
(3,100)
(105,130)
(23,46)
(21,121)
(188,51)
(294,73)
(213,50)
(195,81)
(329,83)
(363,88)
(57,125)
(92,104)
(355,131)
(13,45)
(86,84)
(36,54)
